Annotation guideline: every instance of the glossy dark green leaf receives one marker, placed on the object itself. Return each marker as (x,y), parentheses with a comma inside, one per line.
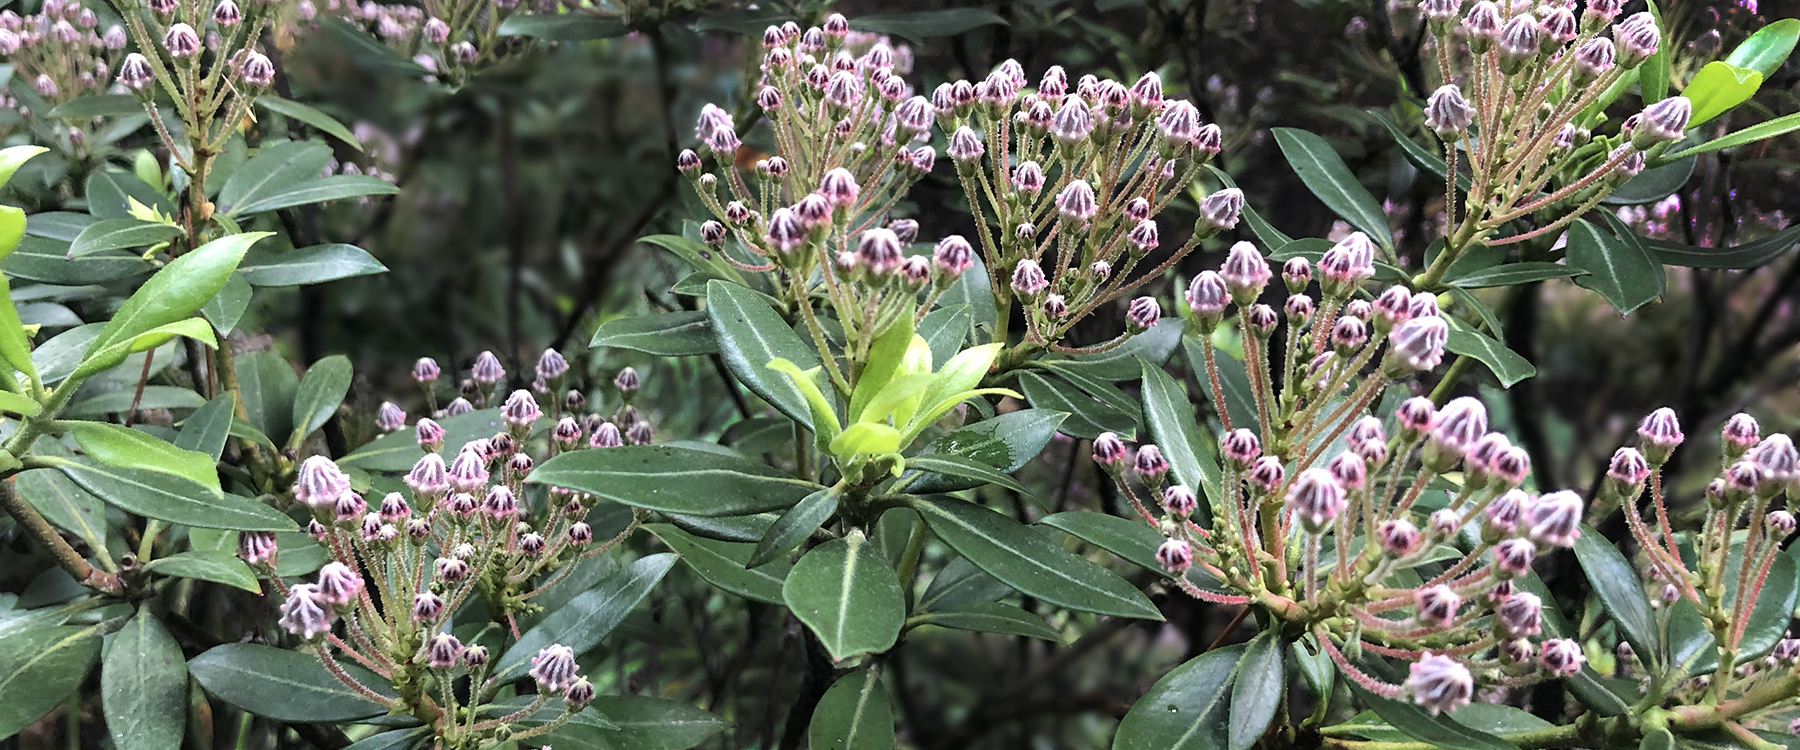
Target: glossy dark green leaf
(110,193)
(1657,738)
(1507,365)
(958,585)
(925,24)
(218,567)
(1751,254)
(178,290)
(226,309)
(1420,156)
(272,170)
(1029,561)
(794,526)
(320,190)
(1186,709)
(854,714)
(121,234)
(698,256)
(747,529)
(267,383)
(848,595)
(285,685)
(97,105)
(587,618)
(314,264)
(39,667)
(750,334)
(46,261)
(564,27)
(1088,418)
(144,686)
(1257,693)
(749,21)
(1616,583)
(393,739)
(972,289)
(206,430)
(1652,185)
(967,468)
(169,498)
(123,447)
(1121,362)
(945,329)
(1174,429)
(320,393)
(1326,175)
(1513,274)
(723,564)
(323,122)
(1440,730)
(990,617)
(1006,442)
(644,723)
(64,504)
(674,480)
(1130,538)
(1623,274)
(673,334)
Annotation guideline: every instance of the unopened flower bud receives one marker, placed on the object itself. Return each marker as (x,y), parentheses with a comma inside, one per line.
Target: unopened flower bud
(1554,519)
(1245,273)
(1561,657)
(1028,279)
(1440,683)
(1512,558)
(1347,265)
(1661,433)
(1447,113)
(553,668)
(1176,556)
(1109,451)
(181,41)
(1219,211)
(1418,344)
(1398,537)
(1142,315)
(1436,605)
(1150,465)
(1179,501)
(1316,498)
(1267,473)
(1663,121)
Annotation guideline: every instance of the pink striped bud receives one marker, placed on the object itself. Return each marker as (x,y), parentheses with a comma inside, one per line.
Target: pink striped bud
(1176,556)
(1561,657)
(1240,448)
(1109,451)
(1028,279)
(1661,433)
(1150,465)
(1436,605)
(1440,683)
(1267,473)
(1512,558)
(1398,537)
(1554,519)
(1521,614)
(1245,273)
(1316,498)
(1179,501)
(1142,314)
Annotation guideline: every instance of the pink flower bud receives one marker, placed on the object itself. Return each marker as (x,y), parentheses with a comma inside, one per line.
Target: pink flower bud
(1418,344)
(1637,38)
(1028,279)
(1776,457)
(1593,59)
(1416,415)
(1447,113)
(1179,501)
(1245,273)
(1398,537)
(1054,84)
(394,507)
(257,547)
(1219,211)
(1028,178)
(1440,683)
(1554,519)
(554,667)
(1150,465)
(1241,448)
(1144,237)
(1316,498)
(1779,524)
(1109,451)
(1296,273)
(1142,314)
(1176,556)
(839,187)
(1349,470)
(1740,433)
(1072,123)
(521,409)
(1055,307)
(181,41)
(302,613)
(1348,334)
(320,482)
(1661,433)
(1512,558)
(1663,121)
(1628,467)
(1521,614)
(338,584)
(1561,657)
(1483,25)
(1518,42)
(1077,202)
(1266,474)
(1179,124)
(1347,264)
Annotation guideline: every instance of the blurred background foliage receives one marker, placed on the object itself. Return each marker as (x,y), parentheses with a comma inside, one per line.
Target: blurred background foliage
(526,188)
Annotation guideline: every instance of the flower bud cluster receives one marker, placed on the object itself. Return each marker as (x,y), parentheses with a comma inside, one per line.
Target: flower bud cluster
(61,51)
(466,524)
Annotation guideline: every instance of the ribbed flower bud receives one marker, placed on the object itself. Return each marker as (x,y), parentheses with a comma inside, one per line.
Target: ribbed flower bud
(1661,433)
(1142,314)
(256,69)
(1144,237)
(257,548)
(1483,26)
(1219,211)
(1440,683)
(1561,657)
(1592,59)
(1076,202)
(1398,537)
(302,612)
(1028,279)
(1316,499)
(1179,501)
(1245,273)
(1554,519)
(1518,42)
(1109,451)
(1417,344)
(1436,605)
(319,483)
(1663,121)
(426,607)
(553,668)
(1512,558)
(1348,334)
(1072,123)
(1637,38)
(1346,265)
(1447,113)
(1207,296)
(1350,471)
(1150,465)
(521,409)
(1175,556)
(181,41)
(135,72)
(1240,447)
(1179,124)
(338,584)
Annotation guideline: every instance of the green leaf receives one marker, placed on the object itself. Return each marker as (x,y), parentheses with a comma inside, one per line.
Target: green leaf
(1652,185)
(1657,738)
(1508,367)
(227,308)
(1176,432)
(320,393)
(825,421)
(44,260)
(1029,562)
(959,584)
(1717,88)
(218,567)
(1441,731)
(17,404)
(169,498)
(1622,273)
(12,229)
(1261,682)
(674,480)
(267,383)
(794,526)
(323,122)
(126,448)
(646,723)
(1748,255)
(1121,362)
(1129,538)
(144,686)
(967,468)
(178,290)
(393,739)
(120,234)
(285,685)
(971,289)
(1326,175)
(750,334)
(925,24)
(853,715)
(98,105)
(110,193)
(101,359)
(398,451)
(315,264)
(1006,442)
(1088,417)
(13,157)
(724,564)
(945,329)
(1766,129)
(886,353)
(39,668)
(990,617)
(674,334)
(64,504)
(1514,274)
(1766,50)
(1422,158)
(368,52)
(587,618)
(847,593)
(272,170)
(1616,583)
(335,187)
(564,27)
(1186,709)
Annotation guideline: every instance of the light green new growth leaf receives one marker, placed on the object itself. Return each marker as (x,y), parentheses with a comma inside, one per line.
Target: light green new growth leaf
(13,158)
(886,355)
(1717,88)
(105,359)
(117,445)
(866,437)
(825,421)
